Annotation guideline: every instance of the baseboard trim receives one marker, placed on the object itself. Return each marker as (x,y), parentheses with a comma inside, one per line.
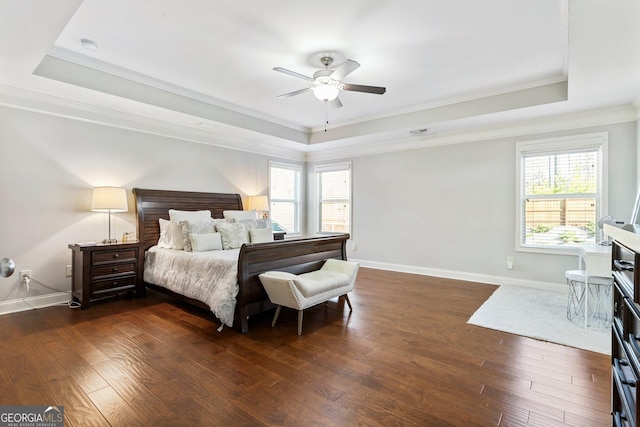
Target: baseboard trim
(32,303)
(460,275)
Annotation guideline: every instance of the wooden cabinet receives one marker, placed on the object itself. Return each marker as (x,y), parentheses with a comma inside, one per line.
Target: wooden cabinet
(105,270)
(625,351)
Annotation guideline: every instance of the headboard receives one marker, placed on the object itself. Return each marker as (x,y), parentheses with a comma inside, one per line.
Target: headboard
(151,205)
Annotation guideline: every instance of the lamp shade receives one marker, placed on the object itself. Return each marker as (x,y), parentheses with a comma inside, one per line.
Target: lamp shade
(259,203)
(109,199)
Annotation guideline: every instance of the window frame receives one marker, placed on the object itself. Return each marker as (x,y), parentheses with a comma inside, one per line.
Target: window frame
(297,201)
(332,167)
(559,145)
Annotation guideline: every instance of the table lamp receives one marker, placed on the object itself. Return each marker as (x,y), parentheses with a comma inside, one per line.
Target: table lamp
(260,204)
(109,199)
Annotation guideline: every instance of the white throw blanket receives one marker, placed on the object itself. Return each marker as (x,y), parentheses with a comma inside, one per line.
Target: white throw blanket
(209,277)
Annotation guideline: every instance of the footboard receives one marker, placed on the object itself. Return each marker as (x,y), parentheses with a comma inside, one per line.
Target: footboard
(295,256)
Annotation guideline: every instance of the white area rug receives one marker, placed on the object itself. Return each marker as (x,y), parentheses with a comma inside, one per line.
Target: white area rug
(538,314)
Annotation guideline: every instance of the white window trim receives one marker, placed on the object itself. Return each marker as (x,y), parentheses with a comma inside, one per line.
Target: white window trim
(299,191)
(316,204)
(598,140)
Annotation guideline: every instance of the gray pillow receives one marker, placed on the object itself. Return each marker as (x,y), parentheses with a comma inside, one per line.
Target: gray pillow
(234,235)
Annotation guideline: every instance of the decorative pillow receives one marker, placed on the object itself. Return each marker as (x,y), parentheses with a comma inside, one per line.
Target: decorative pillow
(231,215)
(195,227)
(176,216)
(233,235)
(206,242)
(260,235)
(254,223)
(165,234)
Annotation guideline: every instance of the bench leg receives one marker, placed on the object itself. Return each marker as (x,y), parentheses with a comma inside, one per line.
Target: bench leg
(300,322)
(275,317)
(346,298)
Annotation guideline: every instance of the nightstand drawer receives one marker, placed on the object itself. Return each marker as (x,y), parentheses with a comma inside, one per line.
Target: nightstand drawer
(113,256)
(108,270)
(113,285)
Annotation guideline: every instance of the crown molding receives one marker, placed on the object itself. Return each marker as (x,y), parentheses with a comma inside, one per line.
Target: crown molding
(446,102)
(220,136)
(584,119)
(90,78)
(144,79)
(231,138)
(478,106)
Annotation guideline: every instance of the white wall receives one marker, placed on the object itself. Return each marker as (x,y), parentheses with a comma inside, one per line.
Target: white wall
(447,210)
(50,165)
(450,210)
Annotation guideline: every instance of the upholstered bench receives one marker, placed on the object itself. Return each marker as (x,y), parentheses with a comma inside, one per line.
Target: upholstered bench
(299,291)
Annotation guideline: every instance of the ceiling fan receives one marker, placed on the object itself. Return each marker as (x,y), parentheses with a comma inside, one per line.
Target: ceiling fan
(326,84)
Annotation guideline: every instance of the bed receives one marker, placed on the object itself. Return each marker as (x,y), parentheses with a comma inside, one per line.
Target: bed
(295,255)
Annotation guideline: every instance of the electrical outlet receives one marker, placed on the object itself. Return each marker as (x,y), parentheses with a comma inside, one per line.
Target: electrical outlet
(509,263)
(69,271)
(25,274)
(354,247)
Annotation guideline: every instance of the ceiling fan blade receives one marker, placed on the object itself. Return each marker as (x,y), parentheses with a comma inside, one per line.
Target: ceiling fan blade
(343,70)
(335,103)
(292,73)
(362,88)
(297,92)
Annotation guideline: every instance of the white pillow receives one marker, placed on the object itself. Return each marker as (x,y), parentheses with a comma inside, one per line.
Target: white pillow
(195,227)
(260,235)
(206,242)
(238,215)
(165,234)
(254,223)
(233,235)
(176,216)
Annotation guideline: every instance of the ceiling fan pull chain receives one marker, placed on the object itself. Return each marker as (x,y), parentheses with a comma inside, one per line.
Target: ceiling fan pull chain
(326,115)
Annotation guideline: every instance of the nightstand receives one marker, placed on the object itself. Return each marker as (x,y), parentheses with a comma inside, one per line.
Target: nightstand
(105,270)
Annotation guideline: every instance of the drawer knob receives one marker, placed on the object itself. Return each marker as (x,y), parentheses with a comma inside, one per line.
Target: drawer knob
(114,269)
(115,284)
(116,255)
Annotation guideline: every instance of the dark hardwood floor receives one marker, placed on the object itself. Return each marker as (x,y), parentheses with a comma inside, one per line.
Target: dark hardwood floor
(404,356)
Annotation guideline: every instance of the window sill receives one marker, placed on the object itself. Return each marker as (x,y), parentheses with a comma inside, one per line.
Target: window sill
(564,250)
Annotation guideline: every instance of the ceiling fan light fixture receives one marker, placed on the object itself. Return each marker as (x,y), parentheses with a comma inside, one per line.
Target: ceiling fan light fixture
(326,92)
(327,83)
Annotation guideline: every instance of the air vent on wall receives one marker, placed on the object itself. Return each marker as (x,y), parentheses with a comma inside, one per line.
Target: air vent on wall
(418,132)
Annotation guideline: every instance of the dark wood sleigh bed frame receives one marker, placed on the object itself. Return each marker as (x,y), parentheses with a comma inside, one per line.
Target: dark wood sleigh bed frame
(295,256)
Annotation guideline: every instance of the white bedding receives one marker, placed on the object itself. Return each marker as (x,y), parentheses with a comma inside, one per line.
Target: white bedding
(209,277)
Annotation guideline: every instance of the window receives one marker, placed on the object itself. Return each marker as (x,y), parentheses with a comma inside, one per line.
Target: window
(333,198)
(561,191)
(284,191)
